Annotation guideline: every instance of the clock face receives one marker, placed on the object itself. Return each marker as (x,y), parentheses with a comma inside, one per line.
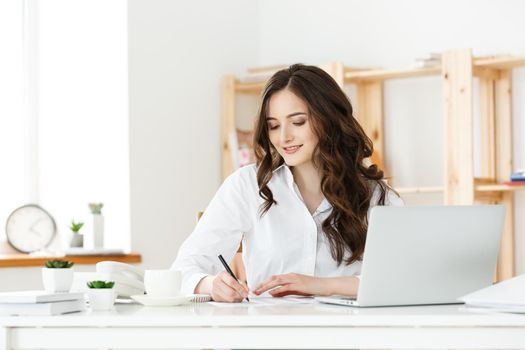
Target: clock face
(30,228)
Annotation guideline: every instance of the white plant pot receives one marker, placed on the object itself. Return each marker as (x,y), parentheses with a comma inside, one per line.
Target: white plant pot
(77,240)
(57,280)
(98,230)
(94,235)
(101,298)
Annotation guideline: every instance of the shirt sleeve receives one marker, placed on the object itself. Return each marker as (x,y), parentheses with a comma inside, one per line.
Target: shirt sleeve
(219,231)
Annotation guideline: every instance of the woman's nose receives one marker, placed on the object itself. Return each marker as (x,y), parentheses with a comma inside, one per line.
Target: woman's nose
(286,135)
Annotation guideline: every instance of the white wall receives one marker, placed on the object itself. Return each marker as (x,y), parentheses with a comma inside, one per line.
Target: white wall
(178,53)
(390,34)
(81,140)
(82,108)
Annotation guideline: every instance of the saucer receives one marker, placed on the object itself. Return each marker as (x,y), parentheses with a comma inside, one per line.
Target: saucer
(148,300)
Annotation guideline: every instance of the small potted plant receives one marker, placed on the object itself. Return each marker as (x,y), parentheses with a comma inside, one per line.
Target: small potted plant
(57,275)
(77,239)
(101,295)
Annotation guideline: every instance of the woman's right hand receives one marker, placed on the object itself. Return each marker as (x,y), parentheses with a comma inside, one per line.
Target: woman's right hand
(228,289)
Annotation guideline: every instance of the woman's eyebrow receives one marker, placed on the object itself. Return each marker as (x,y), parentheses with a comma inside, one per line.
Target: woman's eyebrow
(288,116)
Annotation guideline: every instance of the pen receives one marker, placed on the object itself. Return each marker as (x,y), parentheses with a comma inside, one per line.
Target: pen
(229,270)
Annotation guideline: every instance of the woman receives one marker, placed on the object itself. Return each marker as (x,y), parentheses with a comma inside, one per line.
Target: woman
(302,210)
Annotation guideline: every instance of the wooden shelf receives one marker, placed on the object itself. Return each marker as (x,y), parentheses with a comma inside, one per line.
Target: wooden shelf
(356,75)
(505,62)
(24,260)
(479,188)
(254,87)
(456,72)
(499,188)
(382,74)
(409,190)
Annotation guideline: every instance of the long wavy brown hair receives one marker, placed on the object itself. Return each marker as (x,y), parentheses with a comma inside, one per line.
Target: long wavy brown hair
(347,182)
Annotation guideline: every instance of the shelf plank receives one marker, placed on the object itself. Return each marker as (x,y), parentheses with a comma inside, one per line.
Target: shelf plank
(479,188)
(228,127)
(353,75)
(381,74)
(409,190)
(457,108)
(24,260)
(504,62)
(499,188)
(252,87)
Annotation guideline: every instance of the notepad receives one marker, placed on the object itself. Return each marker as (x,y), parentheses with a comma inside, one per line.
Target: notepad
(508,296)
(37,296)
(50,308)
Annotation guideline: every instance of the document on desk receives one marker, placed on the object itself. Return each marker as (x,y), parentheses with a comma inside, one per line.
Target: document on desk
(282,300)
(261,301)
(506,296)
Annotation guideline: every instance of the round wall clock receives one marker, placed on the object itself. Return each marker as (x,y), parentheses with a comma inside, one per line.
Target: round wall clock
(30,228)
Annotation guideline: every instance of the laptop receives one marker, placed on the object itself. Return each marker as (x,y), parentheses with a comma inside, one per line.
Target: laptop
(427,255)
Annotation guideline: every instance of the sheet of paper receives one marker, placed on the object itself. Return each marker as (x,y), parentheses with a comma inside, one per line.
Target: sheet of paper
(494,309)
(509,293)
(261,301)
(283,300)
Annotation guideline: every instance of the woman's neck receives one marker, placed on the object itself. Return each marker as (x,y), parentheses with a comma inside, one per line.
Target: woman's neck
(307,178)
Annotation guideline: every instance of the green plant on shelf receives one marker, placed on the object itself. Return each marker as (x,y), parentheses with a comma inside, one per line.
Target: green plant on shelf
(76,226)
(59,264)
(100,284)
(96,208)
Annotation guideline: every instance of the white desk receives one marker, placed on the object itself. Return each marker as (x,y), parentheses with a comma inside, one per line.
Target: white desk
(262,326)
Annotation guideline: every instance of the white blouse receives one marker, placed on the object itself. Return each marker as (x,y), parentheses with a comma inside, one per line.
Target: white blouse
(286,239)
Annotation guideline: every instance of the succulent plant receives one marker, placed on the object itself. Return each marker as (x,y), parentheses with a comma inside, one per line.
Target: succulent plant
(59,264)
(100,284)
(75,227)
(96,208)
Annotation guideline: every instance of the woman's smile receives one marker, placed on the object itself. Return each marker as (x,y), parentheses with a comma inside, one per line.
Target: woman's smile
(291,149)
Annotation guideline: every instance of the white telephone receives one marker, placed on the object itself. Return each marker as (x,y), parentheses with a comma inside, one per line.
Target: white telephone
(129,280)
(118,267)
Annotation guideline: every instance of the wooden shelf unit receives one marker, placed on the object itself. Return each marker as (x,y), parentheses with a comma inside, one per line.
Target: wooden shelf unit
(457,70)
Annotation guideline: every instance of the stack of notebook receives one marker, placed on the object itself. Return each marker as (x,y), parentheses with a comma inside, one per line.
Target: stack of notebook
(517,178)
(430,60)
(39,302)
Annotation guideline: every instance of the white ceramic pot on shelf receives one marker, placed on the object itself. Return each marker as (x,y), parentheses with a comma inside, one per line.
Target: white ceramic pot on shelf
(94,233)
(77,240)
(98,230)
(57,280)
(101,299)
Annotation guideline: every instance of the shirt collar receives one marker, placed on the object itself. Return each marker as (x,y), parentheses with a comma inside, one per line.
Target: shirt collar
(288,177)
(324,206)
(286,173)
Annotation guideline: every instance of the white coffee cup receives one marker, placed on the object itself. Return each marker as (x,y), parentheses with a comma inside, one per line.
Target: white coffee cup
(162,283)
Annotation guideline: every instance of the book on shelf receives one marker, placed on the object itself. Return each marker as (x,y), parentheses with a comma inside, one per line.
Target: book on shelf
(431,56)
(38,296)
(42,309)
(429,60)
(241,144)
(514,183)
(518,175)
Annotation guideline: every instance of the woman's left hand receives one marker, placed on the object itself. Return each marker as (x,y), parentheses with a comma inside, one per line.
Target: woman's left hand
(293,283)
